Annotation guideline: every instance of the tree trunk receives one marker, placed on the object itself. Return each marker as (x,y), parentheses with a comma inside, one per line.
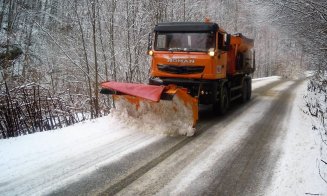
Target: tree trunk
(86,59)
(96,90)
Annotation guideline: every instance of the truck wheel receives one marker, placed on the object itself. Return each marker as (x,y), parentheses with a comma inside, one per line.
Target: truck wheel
(244,92)
(221,105)
(249,89)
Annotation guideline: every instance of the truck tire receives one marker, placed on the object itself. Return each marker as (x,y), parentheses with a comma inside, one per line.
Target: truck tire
(221,105)
(244,91)
(249,89)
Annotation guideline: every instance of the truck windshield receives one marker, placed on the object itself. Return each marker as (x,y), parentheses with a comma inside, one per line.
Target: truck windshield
(196,42)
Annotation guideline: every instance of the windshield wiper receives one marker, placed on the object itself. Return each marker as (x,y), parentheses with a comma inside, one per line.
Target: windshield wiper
(186,50)
(176,49)
(195,50)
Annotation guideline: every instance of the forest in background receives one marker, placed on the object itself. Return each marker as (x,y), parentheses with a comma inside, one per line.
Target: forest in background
(54,53)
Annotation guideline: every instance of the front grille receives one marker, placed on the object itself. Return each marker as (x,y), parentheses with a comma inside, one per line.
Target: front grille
(186,69)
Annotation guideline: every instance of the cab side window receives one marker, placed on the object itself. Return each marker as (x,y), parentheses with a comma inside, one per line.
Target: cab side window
(220,41)
(223,41)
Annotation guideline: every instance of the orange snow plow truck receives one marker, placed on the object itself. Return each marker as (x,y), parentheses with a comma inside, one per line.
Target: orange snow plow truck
(192,63)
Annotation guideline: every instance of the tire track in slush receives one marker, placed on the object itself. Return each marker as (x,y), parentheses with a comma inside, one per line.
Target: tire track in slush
(248,171)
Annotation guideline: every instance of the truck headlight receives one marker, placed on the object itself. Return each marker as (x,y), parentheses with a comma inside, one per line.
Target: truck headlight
(211,52)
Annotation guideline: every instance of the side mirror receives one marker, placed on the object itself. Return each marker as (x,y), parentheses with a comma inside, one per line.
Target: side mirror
(227,42)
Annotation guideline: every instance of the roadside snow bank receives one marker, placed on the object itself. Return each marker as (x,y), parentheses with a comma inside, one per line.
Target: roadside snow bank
(171,117)
(39,163)
(259,82)
(297,170)
(270,78)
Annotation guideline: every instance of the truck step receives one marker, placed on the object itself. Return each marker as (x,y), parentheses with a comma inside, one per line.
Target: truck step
(236,88)
(236,97)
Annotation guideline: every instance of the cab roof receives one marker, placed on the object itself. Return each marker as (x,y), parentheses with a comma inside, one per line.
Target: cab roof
(186,27)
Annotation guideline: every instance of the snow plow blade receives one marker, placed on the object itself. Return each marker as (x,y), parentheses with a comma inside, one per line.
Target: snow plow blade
(169,102)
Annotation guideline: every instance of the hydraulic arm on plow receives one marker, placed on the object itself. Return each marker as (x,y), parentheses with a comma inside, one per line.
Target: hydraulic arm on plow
(192,63)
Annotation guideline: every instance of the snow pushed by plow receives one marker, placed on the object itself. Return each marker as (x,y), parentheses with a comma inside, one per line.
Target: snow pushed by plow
(166,117)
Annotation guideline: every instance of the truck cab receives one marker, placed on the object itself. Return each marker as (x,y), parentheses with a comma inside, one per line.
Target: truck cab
(189,50)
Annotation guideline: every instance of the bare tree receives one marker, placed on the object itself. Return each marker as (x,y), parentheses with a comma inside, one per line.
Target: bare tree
(69,47)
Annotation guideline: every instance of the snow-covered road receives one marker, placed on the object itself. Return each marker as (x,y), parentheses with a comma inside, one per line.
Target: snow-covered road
(241,153)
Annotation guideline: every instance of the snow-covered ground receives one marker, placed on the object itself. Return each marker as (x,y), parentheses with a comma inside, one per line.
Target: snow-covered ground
(48,160)
(259,82)
(297,170)
(42,162)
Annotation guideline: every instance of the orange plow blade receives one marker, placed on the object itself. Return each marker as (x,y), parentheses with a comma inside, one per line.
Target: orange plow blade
(170,104)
